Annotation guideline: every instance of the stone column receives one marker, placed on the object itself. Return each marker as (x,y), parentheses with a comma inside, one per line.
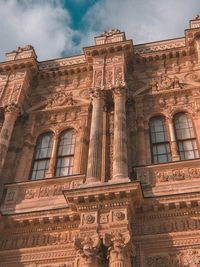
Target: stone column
(120,250)
(174,148)
(95,145)
(120,161)
(12,111)
(52,163)
(88,252)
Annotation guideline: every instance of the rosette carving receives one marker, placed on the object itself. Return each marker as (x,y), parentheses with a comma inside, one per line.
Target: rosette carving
(89,219)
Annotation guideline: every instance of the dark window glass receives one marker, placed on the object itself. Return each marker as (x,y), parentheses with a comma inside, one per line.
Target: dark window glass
(159,141)
(185,136)
(65,154)
(42,156)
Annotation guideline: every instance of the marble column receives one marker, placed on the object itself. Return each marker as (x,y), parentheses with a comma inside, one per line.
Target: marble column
(120,161)
(174,148)
(11,114)
(52,163)
(95,145)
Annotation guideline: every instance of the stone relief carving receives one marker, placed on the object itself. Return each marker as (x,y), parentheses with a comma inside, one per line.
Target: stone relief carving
(59,99)
(36,239)
(87,250)
(165,83)
(162,176)
(98,76)
(187,258)
(109,79)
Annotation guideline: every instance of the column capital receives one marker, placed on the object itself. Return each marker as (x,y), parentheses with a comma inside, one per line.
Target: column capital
(120,91)
(87,249)
(12,108)
(120,247)
(96,93)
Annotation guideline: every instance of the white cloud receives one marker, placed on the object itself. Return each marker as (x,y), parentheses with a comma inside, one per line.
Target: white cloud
(45,24)
(143,20)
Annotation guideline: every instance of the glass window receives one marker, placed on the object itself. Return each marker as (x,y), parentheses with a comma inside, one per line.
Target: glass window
(65,154)
(159,140)
(42,156)
(185,136)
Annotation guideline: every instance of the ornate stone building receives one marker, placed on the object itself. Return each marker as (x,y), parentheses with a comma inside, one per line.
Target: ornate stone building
(99,155)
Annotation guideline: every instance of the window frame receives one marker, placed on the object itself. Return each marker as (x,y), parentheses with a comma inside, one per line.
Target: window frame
(183,140)
(166,143)
(69,156)
(34,159)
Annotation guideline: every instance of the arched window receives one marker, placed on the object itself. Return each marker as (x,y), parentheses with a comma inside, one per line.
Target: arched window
(160,146)
(42,156)
(185,136)
(65,154)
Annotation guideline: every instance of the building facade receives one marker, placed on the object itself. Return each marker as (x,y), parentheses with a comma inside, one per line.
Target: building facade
(99,155)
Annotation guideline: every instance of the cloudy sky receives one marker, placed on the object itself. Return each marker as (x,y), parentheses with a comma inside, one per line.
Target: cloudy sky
(59,28)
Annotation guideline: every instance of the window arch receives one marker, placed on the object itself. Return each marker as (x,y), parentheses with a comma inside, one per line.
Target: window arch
(42,156)
(185,136)
(160,147)
(65,153)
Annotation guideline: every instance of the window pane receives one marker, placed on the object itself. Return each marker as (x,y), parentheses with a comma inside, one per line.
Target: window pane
(66,144)
(44,146)
(159,140)
(185,136)
(42,156)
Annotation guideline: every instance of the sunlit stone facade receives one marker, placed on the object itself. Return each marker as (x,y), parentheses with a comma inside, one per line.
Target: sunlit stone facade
(99,155)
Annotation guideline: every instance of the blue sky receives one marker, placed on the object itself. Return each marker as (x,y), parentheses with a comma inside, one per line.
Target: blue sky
(59,28)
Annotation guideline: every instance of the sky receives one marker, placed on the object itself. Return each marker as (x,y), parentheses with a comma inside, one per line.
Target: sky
(58,28)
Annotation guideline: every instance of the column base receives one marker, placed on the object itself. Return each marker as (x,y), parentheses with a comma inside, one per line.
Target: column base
(92,181)
(120,179)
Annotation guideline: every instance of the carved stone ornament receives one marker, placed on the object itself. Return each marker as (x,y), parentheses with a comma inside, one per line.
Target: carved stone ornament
(190,258)
(12,108)
(119,246)
(110,33)
(96,93)
(120,91)
(98,76)
(59,99)
(118,215)
(89,219)
(165,83)
(87,249)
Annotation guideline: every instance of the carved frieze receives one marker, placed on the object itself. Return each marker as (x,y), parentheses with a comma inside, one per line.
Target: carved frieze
(167,175)
(184,258)
(36,240)
(147,226)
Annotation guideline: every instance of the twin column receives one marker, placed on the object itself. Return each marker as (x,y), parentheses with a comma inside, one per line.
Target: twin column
(120,162)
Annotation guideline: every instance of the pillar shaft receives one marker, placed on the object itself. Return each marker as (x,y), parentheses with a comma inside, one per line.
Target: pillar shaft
(52,162)
(95,146)
(174,148)
(120,161)
(11,114)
